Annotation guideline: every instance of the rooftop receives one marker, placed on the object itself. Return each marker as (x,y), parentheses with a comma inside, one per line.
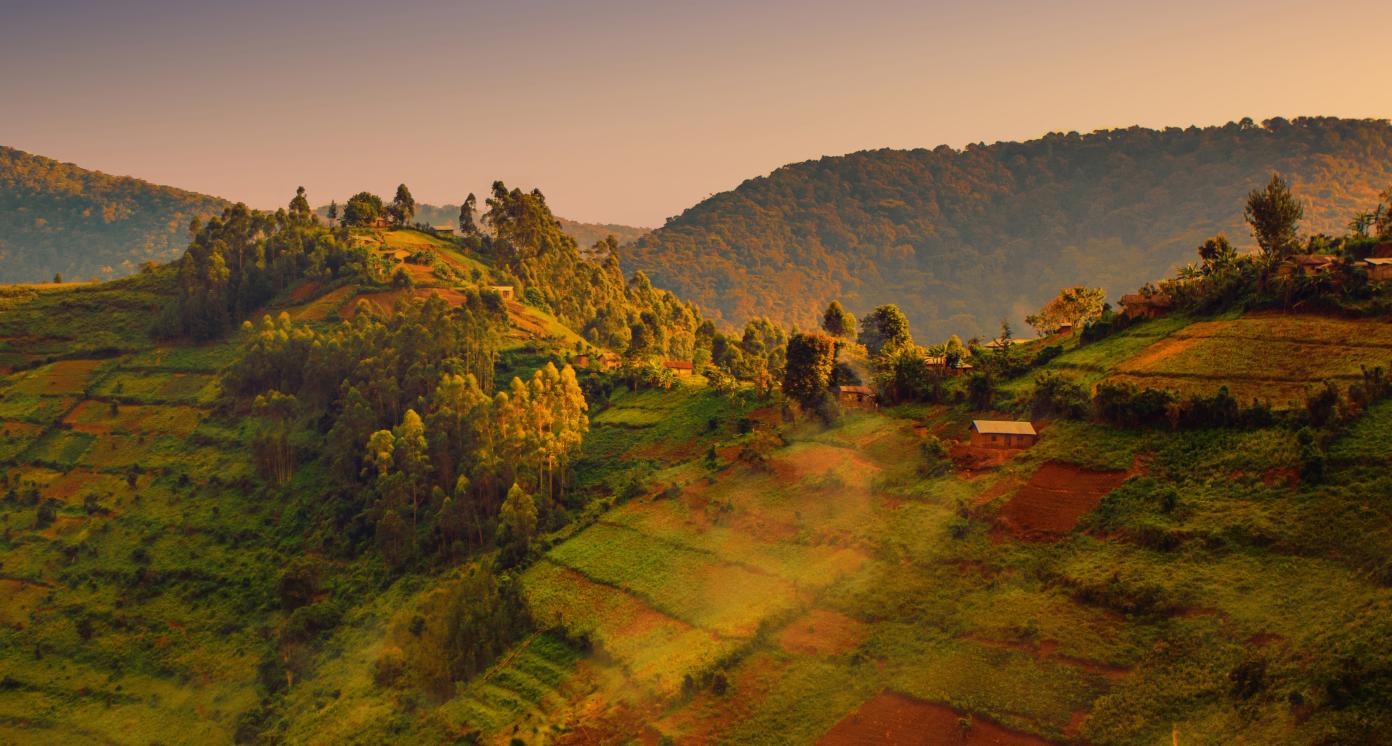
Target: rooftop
(853,389)
(1003,427)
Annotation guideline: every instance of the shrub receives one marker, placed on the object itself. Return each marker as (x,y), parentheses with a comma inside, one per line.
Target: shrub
(935,460)
(1126,405)
(1055,395)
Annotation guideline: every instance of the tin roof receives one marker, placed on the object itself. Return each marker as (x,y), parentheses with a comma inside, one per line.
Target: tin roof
(1003,427)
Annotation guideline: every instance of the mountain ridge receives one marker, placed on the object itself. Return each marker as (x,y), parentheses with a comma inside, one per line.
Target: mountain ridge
(955,236)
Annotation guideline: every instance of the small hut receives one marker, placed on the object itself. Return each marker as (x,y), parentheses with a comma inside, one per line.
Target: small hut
(1003,434)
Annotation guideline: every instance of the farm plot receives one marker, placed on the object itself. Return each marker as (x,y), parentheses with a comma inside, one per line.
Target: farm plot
(16,436)
(1275,358)
(41,410)
(61,447)
(323,306)
(65,377)
(103,417)
(891,717)
(159,388)
(193,359)
(654,647)
(696,587)
(1055,497)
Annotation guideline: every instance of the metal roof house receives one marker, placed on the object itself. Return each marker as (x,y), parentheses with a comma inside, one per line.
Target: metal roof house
(1003,434)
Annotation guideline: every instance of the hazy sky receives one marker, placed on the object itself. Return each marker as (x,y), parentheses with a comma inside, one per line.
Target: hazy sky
(632,111)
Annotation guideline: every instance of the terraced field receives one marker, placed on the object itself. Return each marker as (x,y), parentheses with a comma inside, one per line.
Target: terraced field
(1271,357)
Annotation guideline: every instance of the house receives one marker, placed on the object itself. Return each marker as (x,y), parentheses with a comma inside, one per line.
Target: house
(610,361)
(381,222)
(444,230)
(857,397)
(580,361)
(1382,251)
(1003,434)
(1308,265)
(1379,268)
(1138,306)
(939,365)
(682,368)
(505,291)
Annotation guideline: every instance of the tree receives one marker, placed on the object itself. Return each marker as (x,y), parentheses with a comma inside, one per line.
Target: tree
(1382,216)
(811,358)
(299,206)
(333,212)
(1217,254)
(466,215)
(58,278)
(1274,214)
(838,322)
(885,327)
(362,209)
(1076,306)
(412,454)
(517,520)
(271,446)
(403,206)
(393,540)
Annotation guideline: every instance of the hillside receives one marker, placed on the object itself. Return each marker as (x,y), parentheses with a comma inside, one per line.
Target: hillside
(59,218)
(962,238)
(585,234)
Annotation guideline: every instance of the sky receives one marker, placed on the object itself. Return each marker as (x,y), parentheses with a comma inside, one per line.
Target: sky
(630,112)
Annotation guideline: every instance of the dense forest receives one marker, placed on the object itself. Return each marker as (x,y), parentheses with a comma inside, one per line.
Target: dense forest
(57,218)
(959,238)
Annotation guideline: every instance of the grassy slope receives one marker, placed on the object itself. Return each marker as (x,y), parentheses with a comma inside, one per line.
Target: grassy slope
(140,611)
(1119,632)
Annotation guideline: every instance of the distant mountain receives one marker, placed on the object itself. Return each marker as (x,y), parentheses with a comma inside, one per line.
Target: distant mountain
(959,238)
(585,234)
(59,218)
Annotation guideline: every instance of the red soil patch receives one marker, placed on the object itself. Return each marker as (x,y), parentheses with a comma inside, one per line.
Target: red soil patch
(323,306)
(823,633)
(1289,475)
(620,723)
(665,451)
(63,377)
(387,300)
(1263,639)
(896,718)
(305,290)
(1047,650)
(19,429)
(524,321)
(971,460)
(1052,501)
(1165,348)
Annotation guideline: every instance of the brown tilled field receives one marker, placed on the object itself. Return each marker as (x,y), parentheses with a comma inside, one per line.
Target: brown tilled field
(1051,502)
(894,718)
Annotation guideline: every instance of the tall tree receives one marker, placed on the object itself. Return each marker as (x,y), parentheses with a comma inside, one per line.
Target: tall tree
(362,209)
(1075,305)
(1382,216)
(299,206)
(333,212)
(811,358)
(403,206)
(1217,254)
(838,322)
(885,327)
(1274,214)
(466,215)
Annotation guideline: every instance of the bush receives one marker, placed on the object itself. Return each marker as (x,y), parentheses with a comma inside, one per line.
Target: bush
(934,460)
(1126,405)
(1046,354)
(1057,396)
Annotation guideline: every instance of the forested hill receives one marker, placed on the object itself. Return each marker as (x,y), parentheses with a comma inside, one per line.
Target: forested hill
(585,234)
(59,218)
(959,238)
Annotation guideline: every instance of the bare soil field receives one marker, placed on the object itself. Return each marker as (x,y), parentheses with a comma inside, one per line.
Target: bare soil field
(822,632)
(895,718)
(1051,502)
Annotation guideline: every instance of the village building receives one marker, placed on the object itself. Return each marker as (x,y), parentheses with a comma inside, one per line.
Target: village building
(1003,434)
(580,361)
(381,222)
(855,397)
(939,365)
(1379,268)
(444,230)
(1308,265)
(1138,306)
(610,361)
(682,368)
(506,291)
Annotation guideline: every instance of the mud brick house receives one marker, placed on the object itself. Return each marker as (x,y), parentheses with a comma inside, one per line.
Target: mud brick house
(682,368)
(1379,268)
(1138,306)
(855,397)
(1003,434)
